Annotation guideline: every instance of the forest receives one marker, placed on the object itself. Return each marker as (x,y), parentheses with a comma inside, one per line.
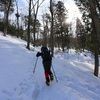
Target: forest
(54,31)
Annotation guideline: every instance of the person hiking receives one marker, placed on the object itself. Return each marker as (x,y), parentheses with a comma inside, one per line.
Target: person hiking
(47,61)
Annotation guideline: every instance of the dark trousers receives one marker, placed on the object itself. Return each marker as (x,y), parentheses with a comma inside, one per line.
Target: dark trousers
(47,69)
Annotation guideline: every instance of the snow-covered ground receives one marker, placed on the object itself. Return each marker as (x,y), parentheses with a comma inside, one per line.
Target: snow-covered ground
(18,82)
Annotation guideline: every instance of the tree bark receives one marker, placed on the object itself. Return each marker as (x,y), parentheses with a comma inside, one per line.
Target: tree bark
(6,18)
(52,23)
(37,4)
(17,16)
(96,29)
(28,41)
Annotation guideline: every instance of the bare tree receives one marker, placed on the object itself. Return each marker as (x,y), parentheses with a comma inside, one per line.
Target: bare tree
(17,16)
(28,32)
(7,10)
(36,6)
(52,24)
(45,29)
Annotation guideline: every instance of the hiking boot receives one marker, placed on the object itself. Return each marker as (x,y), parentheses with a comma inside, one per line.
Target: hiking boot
(51,77)
(47,81)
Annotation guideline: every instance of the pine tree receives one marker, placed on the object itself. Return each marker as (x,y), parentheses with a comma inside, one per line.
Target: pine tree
(61,16)
(81,35)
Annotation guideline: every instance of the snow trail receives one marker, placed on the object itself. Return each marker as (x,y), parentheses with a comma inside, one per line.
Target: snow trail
(18,82)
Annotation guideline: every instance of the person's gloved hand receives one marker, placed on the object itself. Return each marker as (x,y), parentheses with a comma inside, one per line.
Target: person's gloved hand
(38,54)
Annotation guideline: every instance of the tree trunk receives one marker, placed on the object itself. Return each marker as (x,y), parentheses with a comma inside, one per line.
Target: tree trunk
(52,23)
(28,41)
(6,18)
(96,69)
(17,16)
(95,18)
(96,29)
(34,31)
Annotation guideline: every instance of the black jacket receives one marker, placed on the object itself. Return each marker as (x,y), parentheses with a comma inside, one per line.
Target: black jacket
(44,57)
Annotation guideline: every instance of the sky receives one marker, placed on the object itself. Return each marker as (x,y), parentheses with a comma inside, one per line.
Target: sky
(74,73)
(73,11)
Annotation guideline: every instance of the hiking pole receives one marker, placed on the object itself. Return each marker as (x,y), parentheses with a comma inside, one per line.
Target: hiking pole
(54,74)
(35,65)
